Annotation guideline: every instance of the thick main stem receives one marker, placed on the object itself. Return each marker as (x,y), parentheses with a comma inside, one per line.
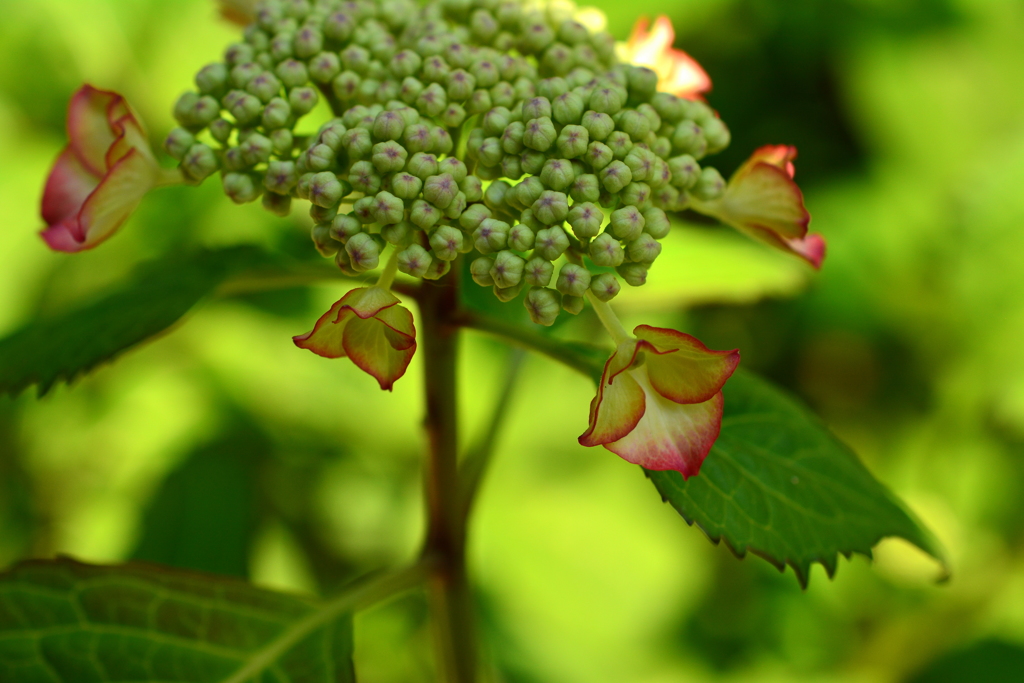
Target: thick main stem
(451,604)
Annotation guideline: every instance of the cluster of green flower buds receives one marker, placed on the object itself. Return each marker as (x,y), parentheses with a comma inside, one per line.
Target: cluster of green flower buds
(475,127)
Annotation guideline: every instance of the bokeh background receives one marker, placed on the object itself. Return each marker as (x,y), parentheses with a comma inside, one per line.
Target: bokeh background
(222,447)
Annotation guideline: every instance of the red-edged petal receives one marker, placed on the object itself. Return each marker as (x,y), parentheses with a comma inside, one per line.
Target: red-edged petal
(62,236)
(89,126)
(619,403)
(678,73)
(811,248)
(116,197)
(780,156)
(670,436)
(681,368)
(401,332)
(130,136)
(367,302)
(325,339)
(765,198)
(67,187)
(369,343)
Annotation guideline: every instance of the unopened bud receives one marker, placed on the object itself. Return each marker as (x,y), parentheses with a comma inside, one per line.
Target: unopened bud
(557,174)
(363,251)
(480,271)
(212,79)
(717,135)
(543,305)
(490,236)
(414,260)
(409,90)
(636,194)
(293,73)
(344,227)
(364,177)
(320,214)
(406,185)
(567,108)
(240,187)
(281,176)
(641,162)
(424,215)
(308,42)
(399,234)
(572,141)
(346,85)
(417,138)
(605,251)
(178,142)
(406,63)
(656,223)
(199,162)
(302,100)
(685,171)
(440,190)
(387,208)
(472,217)
(265,86)
(688,138)
(538,272)
(319,158)
(539,134)
(389,156)
(325,189)
(615,176)
(626,223)
(573,280)
(277,204)
(644,249)
(432,101)
(472,188)
(437,269)
(532,161)
(446,242)
(710,186)
(221,130)
(494,196)
(635,274)
(585,219)
(605,286)
(422,165)
(322,240)
(551,207)
(453,116)
(620,144)
(643,83)
(521,238)
(550,243)
(598,155)
(277,114)
(458,205)
(489,152)
(585,188)
(339,26)
(507,270)
(606,100)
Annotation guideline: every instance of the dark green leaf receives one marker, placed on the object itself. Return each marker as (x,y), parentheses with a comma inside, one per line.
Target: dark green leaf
(778,484)
(66,622)
(158,294)
(991,661)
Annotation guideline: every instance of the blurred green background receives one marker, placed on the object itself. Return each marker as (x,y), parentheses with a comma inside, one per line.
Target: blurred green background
(222,447)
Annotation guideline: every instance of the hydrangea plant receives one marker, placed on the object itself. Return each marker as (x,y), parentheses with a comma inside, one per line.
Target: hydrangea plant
(502,145)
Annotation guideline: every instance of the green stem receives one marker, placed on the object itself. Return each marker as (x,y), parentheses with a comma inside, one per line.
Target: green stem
(387,276)
(609,320)
(451,601)
(474,465)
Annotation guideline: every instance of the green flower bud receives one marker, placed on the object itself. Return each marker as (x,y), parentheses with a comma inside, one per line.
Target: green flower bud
(344,226)
(635,274)
(486,73)
(240,187)
(410,90)
(586,188)
(536,108)
(432,101)
(605,251)
(363,251)
(399,234)
(572,304)
(494,196)
(557,174)
(472,217)
(363,210)
(441,141)
(620,144)
(422,165)
(458,55)
(636,194)
(553,87)
(319,158)
(483,26)
(414,260)
(436,70)
(551,207)
(507,270)
(580,76)
(199,162)
(440,190)
(417,138)
(453,116)
(511,166)
(302,187)
(324,67)
(388,209)
(243,73)
(651,114)
(246,109)
(641,162)
(496,120)
(480,271)
(356,58)
(550,243)
(406,185)
(460,84)
(538,272)
(571,32)
(277,114)
(489,152)
(525,193)
(346,85)
(568,108)
(656,223)
(319,214)
(598,155)
(212,79)
(302,100)
(446,242)
(543,305)
(536,36)
(689,139)
(615,176)
(281,176)
(585,219)
(573,280)
(424,215)
(606,99)
(178,142)
(221,130)
(573,141)
(490,236)
(506,294)
(282,141)
(685,171)
(605,286)
(405,63)
(717,135)
(458,205)
(644,249)
(598,124)
(710,186)
(326,190)
(453,167)
(472,188)
(437,269)
(388,125)
(339,26)
(521,238)
(503,94)
(626,223)
(512,137)
(355,116)
(265,86)
(539,134)
(532,161)
(642,83)
(277,204)
(364,177)
(389,156)
(282,46)
(234,160)
(669,107)
(479,102)
(324,243)
(256,149)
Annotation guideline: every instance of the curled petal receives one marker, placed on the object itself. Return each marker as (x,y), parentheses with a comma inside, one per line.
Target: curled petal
(678,72)
(681,368)
(67,187)
(619,403)
(379,349)
(670,436)
(780,156)
(89,126)
(367,302)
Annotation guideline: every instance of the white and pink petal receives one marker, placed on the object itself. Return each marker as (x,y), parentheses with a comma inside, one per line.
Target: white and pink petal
(683,369)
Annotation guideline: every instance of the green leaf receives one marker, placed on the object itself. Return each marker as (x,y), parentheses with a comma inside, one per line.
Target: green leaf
(63,621)
(157,295)
(778,484)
